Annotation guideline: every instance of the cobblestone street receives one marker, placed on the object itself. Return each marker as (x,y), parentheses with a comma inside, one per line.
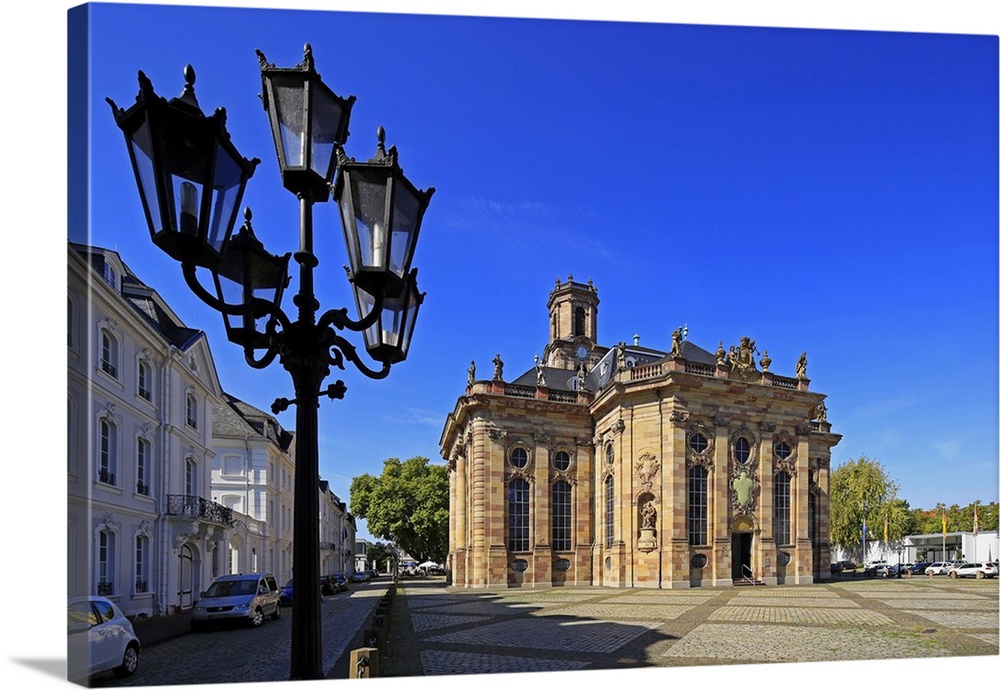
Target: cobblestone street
(506,631)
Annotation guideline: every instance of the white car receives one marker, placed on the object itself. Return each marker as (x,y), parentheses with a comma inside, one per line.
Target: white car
(100,639)
(937,568)
(976,570)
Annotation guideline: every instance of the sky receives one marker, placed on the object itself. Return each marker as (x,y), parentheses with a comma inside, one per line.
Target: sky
(831,190)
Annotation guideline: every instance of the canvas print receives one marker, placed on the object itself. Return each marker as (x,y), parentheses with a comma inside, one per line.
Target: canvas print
(423,346)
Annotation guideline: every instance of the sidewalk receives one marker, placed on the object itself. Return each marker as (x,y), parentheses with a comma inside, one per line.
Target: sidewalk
(155,629)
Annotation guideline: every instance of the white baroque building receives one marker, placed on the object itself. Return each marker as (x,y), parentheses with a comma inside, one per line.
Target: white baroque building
(141,386)
(171,482)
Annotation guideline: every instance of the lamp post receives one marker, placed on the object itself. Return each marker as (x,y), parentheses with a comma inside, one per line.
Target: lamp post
(191,181)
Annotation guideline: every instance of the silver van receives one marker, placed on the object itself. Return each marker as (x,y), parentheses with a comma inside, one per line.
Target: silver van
(241,597)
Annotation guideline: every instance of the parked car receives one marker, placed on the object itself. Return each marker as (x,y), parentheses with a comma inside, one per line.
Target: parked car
(936,568)
(976,570)
(342,581)
(899,569)
(919,568)
(238,598)
(877,569)
(843,566)
(285,596)
(101,639)
(329,584)
(359,576)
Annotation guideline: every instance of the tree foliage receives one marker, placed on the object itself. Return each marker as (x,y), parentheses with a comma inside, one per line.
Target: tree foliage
(959,519)
(406,504)
(862,495)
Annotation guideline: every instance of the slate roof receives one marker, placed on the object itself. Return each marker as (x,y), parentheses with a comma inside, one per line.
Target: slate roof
(143,299)
(235,418)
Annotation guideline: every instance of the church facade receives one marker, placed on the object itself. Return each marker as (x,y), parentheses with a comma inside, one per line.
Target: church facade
(627,466)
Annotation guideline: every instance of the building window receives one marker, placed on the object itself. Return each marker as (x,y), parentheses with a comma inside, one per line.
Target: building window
(518,513)
(105,563)
(579,321)
(561,461)
(609,454)
(191,478)
(519,458)
(741,450)
(813,516)
(782,450)
(782,508)
(698,506)
(109,353)
(141,564)
(109,275)
(698,443)
(108,453)
(145,376)
(142,460)
(562,516)
(192,411)
(609,511)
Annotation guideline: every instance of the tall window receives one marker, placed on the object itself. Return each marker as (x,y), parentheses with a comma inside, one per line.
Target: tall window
(145,376)
(609,510)
(518,513)
(105,563)
(813,516)
(562,516)
(141,564)
(579,321)
(191,478)
(782,508)
(698,506)
(142,460)
(107,453)
(192,411)
(109,353)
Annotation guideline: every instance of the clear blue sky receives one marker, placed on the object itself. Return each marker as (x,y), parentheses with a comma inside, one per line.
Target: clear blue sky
(817,190)
(833,192)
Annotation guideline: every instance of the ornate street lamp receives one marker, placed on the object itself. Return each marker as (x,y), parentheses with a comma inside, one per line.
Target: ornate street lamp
(191,182)
(191,178)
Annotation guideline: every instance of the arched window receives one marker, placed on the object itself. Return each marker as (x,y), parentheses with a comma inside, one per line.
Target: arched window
(698,506)
(106,559)
(562,516)
(782,508)
(609,510)
(741,450)
(190,477)
(192,411)
(107,455)
(579,321)
(141,564)
(145,380)
(109,353)
(143,458)
(518,514)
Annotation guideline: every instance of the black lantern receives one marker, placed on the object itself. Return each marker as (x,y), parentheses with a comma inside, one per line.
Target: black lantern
(254,278)
(388,339)
(191,178)
(381,212)
(308,120)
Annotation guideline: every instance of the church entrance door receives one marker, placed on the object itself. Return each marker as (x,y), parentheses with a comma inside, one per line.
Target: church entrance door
(742,541)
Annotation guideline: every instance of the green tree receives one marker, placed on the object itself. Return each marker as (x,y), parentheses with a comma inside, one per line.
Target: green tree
(863,495)
(407,504)
(380,554)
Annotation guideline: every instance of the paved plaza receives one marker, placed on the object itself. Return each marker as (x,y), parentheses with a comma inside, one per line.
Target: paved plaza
(439,630)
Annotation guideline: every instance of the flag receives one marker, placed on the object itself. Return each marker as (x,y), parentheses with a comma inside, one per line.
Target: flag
(944,523)
(885,529)
(975,521)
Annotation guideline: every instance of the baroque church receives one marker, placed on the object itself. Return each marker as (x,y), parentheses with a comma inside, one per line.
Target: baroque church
(626,466)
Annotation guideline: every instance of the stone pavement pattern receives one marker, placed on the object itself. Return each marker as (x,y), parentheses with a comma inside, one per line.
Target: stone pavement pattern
(445,631)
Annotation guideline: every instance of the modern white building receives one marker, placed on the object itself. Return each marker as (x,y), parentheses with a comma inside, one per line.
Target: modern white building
(141,387)
(983,546)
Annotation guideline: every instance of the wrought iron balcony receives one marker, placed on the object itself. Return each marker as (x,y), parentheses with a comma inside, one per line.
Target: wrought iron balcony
(198,507)
(105,589)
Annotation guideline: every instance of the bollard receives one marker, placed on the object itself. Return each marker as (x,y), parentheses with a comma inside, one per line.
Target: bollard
(364,663)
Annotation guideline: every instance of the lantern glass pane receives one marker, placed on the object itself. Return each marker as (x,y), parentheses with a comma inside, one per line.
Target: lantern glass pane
(141,145)
(226,189)
(325,113)
(393,313)
(370,225)
(187,201)
(290,105)
(365,305)
(406,208)
(350,237)
(414,298)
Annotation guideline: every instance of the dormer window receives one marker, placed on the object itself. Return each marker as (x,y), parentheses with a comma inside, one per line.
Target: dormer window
(110,275)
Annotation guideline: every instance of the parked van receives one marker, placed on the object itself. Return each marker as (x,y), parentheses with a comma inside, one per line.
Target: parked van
(241,597)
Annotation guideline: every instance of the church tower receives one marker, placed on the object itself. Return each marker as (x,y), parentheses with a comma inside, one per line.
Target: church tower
(573,326)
